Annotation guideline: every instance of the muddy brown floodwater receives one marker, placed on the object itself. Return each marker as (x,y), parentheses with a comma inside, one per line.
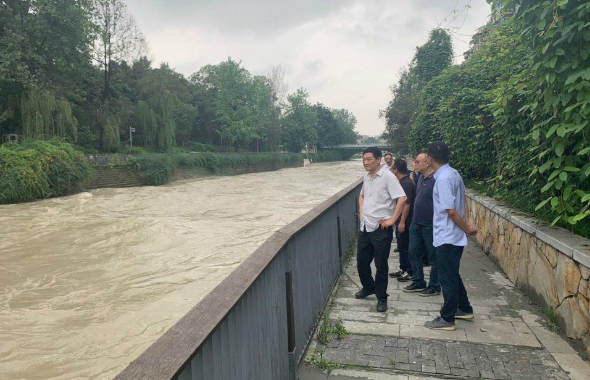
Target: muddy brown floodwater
(89,281)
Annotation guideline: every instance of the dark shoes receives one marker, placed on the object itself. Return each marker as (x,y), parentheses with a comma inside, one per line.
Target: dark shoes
(463,315)
(440,324)
(405,277)
(413,287)
(363,293)
(396,274)
(429,292)
(382,305)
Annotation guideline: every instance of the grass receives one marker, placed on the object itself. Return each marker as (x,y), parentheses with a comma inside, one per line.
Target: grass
(327,329)
(318,359)
(551,318)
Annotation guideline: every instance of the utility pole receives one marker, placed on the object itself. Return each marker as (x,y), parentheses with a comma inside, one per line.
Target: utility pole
(131,130)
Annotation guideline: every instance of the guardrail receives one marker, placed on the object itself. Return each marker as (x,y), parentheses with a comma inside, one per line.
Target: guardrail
(258,321)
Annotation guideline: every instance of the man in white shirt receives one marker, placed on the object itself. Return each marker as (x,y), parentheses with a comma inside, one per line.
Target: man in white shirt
(381,202)
(388,157)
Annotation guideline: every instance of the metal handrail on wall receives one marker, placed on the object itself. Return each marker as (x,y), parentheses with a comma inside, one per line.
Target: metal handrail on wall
(258,321)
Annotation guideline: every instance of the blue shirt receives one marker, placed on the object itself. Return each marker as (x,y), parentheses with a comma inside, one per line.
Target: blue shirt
(423,205)
(448,194)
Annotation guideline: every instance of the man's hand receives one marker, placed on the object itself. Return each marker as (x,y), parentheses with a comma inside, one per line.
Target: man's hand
(386,223)
(401,227)
(471,230)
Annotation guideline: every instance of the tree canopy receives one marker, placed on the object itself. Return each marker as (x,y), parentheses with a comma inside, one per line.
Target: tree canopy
(77,71)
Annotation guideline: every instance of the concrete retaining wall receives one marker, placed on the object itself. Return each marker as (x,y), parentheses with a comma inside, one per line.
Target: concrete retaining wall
(116,176)
(550,264)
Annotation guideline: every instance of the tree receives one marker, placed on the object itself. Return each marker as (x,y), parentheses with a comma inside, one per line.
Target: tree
(299,122)
(334,127)
(117,39)
(399,112)
(429,61)
(347,123)
(44,55)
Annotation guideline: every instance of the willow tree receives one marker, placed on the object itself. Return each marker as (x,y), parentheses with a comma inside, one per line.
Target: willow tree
(147,122)
(164,106)
(44,117)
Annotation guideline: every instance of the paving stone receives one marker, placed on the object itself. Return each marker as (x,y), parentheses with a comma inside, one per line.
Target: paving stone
(501,343)
(434,356)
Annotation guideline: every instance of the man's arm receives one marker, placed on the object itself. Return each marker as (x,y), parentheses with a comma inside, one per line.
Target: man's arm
(401,227)
(456,217)
(400,204)
(361,200)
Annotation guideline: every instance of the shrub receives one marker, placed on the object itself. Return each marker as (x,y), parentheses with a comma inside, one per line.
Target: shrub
(40,169)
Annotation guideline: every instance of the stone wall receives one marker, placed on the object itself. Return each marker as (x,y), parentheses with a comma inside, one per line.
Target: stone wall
(113,176)
(550,264)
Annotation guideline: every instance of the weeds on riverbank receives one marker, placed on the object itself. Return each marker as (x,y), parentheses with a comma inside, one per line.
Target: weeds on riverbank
(40,169)
(158,168)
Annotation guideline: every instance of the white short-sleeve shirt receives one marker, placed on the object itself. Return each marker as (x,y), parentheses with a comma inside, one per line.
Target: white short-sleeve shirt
(379,198)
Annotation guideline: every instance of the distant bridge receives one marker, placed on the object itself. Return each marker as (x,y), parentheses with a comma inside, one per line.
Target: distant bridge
(354,148)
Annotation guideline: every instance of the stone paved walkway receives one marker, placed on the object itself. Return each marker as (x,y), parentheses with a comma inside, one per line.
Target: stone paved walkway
(506,340)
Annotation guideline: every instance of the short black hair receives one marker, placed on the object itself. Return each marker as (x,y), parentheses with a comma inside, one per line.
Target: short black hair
(387,154)
(400,165)
(373,149)
(439,152)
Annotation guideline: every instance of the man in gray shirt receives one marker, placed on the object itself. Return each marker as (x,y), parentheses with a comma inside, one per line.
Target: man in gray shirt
(381,202)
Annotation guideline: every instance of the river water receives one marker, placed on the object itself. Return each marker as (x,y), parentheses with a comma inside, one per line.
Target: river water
(89,281)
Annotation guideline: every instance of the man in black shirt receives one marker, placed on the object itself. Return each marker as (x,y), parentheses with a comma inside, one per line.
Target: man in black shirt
(400,169)
(421,232)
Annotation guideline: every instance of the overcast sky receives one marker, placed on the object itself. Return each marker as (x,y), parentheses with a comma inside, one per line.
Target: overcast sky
(346,53)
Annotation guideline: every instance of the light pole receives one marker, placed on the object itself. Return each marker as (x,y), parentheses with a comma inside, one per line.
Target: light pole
(131,130)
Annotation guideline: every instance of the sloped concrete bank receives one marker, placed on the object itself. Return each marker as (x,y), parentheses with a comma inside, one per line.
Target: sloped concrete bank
(548,263)
(123,176)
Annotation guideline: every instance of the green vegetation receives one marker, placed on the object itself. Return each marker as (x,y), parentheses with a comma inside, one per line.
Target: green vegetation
(550,318)
(428,62)
(77,70)
(516,112)
(317,359)
(156,169)
(40,169)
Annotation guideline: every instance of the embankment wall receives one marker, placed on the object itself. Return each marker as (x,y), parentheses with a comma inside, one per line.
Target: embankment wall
(549,263)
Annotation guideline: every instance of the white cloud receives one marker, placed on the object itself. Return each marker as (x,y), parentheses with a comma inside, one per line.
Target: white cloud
(346,54)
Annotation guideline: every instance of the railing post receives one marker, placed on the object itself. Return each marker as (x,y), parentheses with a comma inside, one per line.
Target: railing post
(290,327)
(340,253)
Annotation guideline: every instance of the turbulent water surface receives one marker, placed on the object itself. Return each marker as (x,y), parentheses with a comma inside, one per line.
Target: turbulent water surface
(88,282)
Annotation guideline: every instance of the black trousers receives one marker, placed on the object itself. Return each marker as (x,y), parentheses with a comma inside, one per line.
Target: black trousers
(374,246)
(403,246)
(448,259)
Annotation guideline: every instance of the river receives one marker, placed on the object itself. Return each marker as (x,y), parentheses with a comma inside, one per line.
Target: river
(89,281)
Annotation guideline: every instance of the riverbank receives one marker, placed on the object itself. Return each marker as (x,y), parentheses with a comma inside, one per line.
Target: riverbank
(160,169)
(39,170)
(46,169)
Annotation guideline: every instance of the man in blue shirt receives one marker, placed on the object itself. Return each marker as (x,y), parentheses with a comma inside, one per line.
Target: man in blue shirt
(449,237)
